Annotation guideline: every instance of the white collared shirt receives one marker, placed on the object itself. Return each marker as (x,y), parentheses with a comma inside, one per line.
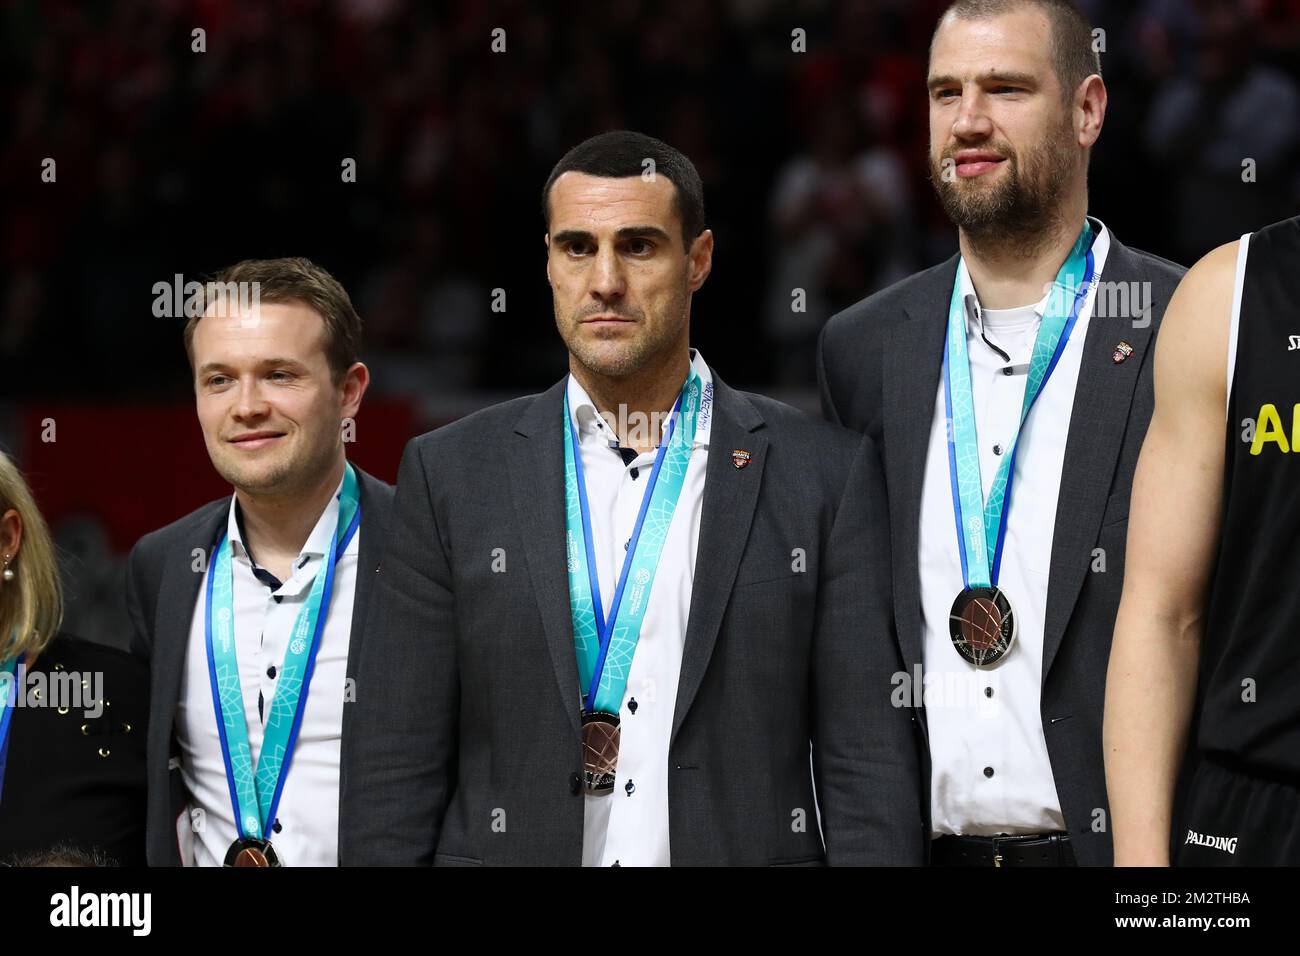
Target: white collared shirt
(308,812)
(990,771)
(629,826)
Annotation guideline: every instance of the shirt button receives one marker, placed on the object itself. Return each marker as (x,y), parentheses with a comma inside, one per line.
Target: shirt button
(276,826)
(988,771)
(997,449)
(626,543)
(630,788)
(575,784)
(1007,370)
(270,672)
(988,691)
(632,705)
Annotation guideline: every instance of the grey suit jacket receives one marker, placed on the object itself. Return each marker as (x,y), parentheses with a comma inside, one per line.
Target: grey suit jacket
(465,746)
(879,365)
(161,588)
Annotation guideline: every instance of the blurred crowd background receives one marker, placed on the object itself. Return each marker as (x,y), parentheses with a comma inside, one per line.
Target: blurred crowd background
(173,162)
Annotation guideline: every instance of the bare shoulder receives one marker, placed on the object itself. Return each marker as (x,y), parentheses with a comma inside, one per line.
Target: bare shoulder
(1202,302)
(1192,347)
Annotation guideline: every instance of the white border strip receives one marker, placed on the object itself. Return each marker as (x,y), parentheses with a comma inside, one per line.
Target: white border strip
(1243,247)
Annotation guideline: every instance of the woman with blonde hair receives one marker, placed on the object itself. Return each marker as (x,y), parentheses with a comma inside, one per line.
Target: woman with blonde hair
(72,713)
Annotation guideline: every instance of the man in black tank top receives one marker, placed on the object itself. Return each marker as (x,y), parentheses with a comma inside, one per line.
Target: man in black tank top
(1213,557)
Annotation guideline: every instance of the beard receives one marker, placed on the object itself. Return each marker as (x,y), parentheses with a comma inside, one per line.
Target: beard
(613,352)
(1021,211)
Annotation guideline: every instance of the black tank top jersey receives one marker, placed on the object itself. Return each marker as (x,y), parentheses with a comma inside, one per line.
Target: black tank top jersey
(1250,654)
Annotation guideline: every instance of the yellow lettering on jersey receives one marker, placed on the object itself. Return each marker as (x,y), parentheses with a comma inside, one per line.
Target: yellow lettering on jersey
(1268,428)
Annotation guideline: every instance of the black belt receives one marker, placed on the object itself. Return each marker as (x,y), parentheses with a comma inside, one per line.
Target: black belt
(1048,849)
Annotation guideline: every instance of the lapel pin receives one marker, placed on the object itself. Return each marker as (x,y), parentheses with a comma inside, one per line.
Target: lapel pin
(1122,351)
(740,458)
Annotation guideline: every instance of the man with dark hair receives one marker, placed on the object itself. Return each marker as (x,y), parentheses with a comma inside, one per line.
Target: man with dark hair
(1012,367)
(625,153)
(615,619)
(250,607)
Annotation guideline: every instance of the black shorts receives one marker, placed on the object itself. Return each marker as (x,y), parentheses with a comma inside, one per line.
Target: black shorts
(1234,818)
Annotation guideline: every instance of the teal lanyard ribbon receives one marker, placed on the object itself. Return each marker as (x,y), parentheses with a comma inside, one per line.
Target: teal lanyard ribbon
(981,524)
(255,794)
(605,646)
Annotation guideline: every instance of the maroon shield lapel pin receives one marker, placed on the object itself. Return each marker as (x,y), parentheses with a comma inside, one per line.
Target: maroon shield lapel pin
(1122,351)
(740,458)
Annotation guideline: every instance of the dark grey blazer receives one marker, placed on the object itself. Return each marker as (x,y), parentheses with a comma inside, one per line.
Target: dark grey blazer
(161,588)
(465,743)
(879,365)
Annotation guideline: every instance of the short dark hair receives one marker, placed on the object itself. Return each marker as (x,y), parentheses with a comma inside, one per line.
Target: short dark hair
(64,854)
(622,153)
(1073,56)
(299,280)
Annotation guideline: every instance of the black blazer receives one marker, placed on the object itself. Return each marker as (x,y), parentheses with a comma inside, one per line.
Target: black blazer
(162,584)
(467,693)
(74,780)
(879,365)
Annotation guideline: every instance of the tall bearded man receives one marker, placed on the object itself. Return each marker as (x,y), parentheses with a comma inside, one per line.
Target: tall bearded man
(1009,389)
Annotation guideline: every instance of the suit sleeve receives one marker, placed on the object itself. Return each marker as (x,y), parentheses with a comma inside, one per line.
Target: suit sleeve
(137,608)
(829,411)
(864,752)
(402,751)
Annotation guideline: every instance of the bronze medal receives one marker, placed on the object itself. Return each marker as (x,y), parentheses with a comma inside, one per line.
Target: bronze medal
(248,851)
(982,625)
(600,736)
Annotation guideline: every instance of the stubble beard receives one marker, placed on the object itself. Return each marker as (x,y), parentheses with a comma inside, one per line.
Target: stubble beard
(634,353)
(292,471)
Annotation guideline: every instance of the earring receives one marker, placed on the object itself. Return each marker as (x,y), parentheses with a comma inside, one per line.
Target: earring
(8,572)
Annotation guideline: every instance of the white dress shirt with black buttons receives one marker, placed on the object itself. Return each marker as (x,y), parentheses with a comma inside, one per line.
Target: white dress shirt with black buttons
(990,771)
(265,612)
(629,827)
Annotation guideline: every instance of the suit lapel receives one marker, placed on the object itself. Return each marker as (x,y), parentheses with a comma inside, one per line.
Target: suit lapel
(376,508)
(913,360)
(730,496)
(537,490)
(1102,399)
(179,588)
(374,521)
(177,593)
